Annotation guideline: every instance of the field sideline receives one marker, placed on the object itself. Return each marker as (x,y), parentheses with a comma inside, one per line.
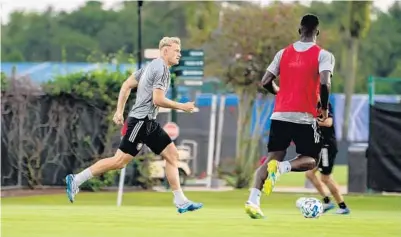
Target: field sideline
(152,214)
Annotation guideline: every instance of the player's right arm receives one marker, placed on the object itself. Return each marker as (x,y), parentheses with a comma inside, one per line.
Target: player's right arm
(271,73)
(130,83)
(159,88)
(268,83)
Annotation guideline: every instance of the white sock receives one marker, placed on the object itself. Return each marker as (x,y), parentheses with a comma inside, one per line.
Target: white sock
(254,196)
(284,167)
(82,177)
(179,197)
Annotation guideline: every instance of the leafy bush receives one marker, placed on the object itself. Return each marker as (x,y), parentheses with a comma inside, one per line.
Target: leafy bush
(97,183)
(99,88)
(233,173)
(4,81)
(70,118)
(142,164)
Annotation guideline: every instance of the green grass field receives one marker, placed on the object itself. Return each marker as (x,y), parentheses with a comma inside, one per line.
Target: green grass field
(152,214)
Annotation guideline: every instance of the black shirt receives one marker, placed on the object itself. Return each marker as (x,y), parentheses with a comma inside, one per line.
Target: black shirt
(329,133)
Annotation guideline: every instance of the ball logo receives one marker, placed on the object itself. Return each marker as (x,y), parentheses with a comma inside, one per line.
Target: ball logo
(311,208)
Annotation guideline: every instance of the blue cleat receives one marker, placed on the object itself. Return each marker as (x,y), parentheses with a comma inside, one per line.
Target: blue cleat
(189,206)
(343,211)
(328,207)
(71,188)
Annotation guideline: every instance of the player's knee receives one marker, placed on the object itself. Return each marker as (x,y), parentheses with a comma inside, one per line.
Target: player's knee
(309,174)
(325,179)
(174,156)
(171,157)
(121,160)
(311,164)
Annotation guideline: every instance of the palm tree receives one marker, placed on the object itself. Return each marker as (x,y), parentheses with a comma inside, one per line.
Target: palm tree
(356,25)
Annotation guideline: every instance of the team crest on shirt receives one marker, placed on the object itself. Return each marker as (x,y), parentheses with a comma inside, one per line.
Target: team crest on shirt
(139,146)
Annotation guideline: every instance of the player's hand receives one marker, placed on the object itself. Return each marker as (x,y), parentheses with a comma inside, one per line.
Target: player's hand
(188,107)
(324,114)
(118,118)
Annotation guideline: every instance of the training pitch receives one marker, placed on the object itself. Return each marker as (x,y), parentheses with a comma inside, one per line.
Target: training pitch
(152,214)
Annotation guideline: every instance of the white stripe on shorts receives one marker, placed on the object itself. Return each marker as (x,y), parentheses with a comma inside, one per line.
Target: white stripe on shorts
(325,157)
(135,131)
(315,132)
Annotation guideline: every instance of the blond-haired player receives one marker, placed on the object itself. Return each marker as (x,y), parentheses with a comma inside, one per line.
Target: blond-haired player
(153,82)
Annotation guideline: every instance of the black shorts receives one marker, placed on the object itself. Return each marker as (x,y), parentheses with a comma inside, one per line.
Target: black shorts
(144,131)
(307,138)
(327,159)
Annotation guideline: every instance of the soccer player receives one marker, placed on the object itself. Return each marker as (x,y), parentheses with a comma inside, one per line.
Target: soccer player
(153,82)
(304,69)
(327,158)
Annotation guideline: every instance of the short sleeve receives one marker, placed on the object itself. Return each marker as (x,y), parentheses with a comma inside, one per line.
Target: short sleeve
(326,61)
(161,77)
(274,66)
(137,74)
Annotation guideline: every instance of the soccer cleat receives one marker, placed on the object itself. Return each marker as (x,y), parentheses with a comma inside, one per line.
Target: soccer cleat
(343,211)
(272,176)
(253,211)
(327,207)
(189,206)
(71,188)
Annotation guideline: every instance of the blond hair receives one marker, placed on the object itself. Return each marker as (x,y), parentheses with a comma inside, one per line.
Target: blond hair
(168,41)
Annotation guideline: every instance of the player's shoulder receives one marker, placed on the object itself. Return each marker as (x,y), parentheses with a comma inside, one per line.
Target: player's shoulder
(289,46)
(280,52)
(326,56)
(325,53)
(157,64)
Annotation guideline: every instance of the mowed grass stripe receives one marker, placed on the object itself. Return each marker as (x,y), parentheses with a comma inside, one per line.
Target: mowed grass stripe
(146,214)
(146,221)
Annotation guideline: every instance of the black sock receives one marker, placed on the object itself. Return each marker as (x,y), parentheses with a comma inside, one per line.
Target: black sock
(326,200)
(342,205)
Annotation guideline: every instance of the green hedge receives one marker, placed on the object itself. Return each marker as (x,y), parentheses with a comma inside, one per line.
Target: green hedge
(101,89)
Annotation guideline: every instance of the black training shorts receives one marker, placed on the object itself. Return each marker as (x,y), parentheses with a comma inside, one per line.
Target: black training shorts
(144,131)
(307,138)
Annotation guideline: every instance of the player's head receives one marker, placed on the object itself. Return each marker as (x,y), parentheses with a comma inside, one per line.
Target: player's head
(309,26)
(170,49)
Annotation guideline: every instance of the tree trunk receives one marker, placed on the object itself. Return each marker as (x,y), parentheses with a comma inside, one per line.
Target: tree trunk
(350,83)
(244,140)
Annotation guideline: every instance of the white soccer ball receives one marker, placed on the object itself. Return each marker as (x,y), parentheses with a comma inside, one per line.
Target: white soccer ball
(311,208)
(299,202)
